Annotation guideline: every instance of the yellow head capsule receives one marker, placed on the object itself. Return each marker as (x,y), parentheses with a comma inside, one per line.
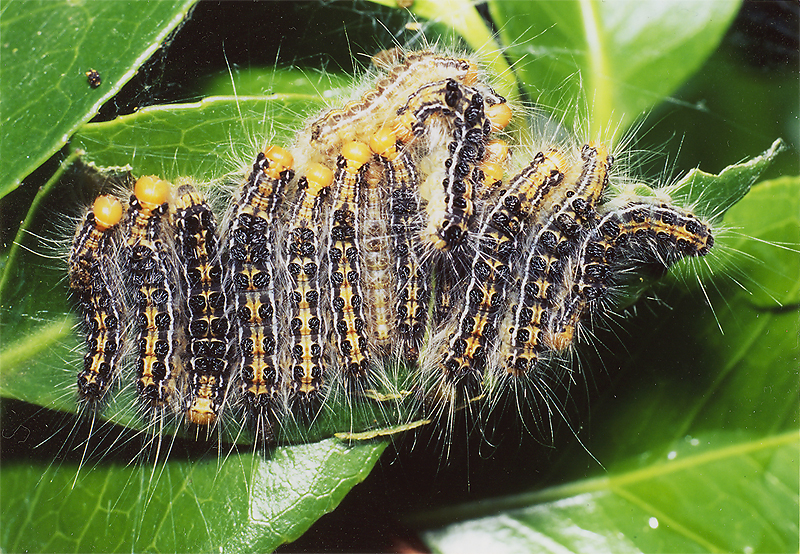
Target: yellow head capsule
(500,115)
(356,152)
(383,143)
(280,160)
(471,77)
(494,160)
(402,126)
(151,191)
(497,152)
(318,177)
(107,212)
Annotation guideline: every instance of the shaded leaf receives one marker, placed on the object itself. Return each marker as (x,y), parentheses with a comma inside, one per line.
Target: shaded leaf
(694,501)
(47,48)
(237,503)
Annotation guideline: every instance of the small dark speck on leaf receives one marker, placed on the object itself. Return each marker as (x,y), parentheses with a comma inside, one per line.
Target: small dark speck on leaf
(93,78)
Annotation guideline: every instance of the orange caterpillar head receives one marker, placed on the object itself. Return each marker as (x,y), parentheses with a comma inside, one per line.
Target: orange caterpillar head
(107,212)
(151,192)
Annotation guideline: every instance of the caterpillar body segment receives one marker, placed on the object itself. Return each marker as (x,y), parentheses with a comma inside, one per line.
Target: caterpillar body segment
(253,257)
(362,118)
(306,326)
(493,266)
(621,243)
(207,356)
(264,187)
(100,298)
(639,233)
(462,111)
(586,282)
(671,232)
(463,175)
(379,277)
(413,287)
(345,272)
(152,274)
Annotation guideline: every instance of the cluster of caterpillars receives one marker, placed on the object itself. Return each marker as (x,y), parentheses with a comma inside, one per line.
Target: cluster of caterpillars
(387,234)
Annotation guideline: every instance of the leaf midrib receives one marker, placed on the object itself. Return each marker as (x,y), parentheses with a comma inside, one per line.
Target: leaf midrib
(611,484)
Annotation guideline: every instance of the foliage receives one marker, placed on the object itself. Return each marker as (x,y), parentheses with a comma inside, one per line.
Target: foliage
(694,413)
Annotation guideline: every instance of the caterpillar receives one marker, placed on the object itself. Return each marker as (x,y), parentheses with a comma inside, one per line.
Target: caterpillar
(388,235)
(379,278)
(411,283)
(205,304)
(344,253)
(151,275)
(253,277)
(92,277)
(307,325)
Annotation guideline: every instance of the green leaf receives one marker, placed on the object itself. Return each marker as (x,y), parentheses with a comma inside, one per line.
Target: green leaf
(47,48)
(715,194)
(770,263)
(238,502)
(205,140)
(674,374)
(694,500)
(621,58)
(699,429)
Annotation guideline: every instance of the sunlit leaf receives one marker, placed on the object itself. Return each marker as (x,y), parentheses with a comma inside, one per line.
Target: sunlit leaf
(47,48)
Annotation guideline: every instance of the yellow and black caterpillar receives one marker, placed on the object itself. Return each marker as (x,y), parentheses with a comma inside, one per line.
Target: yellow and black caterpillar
(387,235)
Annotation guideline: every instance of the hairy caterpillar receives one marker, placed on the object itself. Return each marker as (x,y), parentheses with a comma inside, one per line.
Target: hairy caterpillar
(485,274)
(100,296)
(206,306)
(150,262)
